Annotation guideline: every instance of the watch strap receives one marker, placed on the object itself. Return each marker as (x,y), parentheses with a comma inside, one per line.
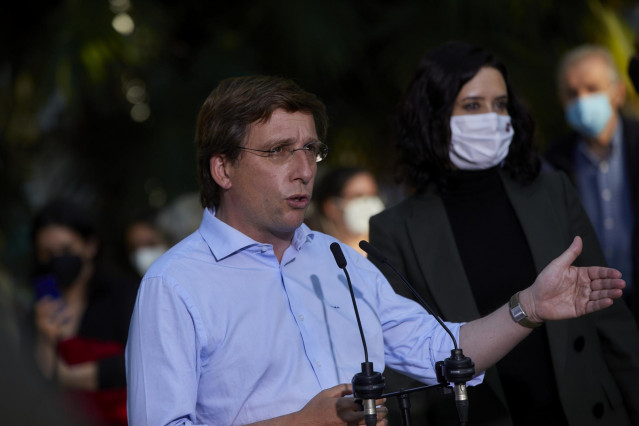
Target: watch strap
(518,314)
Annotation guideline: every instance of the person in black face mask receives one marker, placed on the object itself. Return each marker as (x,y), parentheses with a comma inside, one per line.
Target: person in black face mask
(81,314)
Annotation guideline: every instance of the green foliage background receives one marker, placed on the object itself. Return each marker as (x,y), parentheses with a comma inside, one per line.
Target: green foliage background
(65,119)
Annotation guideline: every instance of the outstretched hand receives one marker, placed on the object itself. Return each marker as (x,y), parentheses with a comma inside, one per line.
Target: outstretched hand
(564,291)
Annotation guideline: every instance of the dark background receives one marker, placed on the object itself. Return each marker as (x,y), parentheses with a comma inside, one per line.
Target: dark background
(69,82)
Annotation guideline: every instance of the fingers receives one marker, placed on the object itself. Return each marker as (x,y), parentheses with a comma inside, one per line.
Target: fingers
(606,294)
(599,272)
(343,389)
(350,412)
(382,412)
(568,257)
(607,283)
(332,403)
(347,404)
(596,305)
(347,409)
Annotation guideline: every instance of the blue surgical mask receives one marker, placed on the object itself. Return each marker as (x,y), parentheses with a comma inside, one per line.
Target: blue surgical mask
(589,114)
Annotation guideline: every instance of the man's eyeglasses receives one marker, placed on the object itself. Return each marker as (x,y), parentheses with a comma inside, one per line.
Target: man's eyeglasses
(315,152)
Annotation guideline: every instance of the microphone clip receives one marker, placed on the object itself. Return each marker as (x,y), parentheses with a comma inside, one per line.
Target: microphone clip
(368,386)
(457,369)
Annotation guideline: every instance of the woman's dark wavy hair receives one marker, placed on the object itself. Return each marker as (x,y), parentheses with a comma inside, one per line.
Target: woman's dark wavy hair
(423,119)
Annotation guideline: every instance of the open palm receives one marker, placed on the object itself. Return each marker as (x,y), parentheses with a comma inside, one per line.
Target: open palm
(564,291)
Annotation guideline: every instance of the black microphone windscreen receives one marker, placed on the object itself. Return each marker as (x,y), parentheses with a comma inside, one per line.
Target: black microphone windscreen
(372,251)
(338,255)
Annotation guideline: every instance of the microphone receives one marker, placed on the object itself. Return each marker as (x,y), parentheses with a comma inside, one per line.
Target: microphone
(457,369)
(369,384)
(338,254)
(377,255)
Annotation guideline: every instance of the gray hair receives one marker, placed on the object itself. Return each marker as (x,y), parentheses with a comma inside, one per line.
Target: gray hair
(577,54)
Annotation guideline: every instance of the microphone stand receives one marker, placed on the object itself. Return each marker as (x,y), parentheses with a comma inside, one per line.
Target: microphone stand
(369,384)
(457,369)
(403,397)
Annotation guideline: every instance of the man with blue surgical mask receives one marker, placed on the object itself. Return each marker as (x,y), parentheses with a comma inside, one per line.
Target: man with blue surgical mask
(601,155)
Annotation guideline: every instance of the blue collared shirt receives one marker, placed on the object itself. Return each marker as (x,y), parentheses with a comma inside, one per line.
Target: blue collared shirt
(224,334)
(604,190)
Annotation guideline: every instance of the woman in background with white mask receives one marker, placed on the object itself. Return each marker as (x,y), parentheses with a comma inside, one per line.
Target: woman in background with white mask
(344,201)
(482,222)
(145,242)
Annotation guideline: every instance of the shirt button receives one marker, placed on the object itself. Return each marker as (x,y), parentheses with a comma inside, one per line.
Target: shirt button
(301,317)
(609,223)
(319,364)
(604,167)
(606,194)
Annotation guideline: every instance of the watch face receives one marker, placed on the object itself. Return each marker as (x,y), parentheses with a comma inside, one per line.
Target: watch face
(517,313)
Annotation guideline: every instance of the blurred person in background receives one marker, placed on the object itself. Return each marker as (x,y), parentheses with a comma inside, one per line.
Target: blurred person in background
(481,223)
(81,313)
(181,217)
(601,155)
(144,242)
(344,201)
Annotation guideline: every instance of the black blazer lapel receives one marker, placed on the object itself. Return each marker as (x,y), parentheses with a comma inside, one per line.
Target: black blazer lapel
(432,238)
(534,209)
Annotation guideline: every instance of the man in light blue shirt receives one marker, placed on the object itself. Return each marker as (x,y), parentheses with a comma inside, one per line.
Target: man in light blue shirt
(249,319)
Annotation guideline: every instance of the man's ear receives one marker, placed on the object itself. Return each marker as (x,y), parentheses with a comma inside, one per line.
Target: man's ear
(219,166)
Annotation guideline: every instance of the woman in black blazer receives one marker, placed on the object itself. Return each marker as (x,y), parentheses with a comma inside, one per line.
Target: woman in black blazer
(482,217)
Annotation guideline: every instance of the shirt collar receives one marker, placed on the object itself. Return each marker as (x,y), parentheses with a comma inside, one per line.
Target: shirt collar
(615,146)
(302,236)
(225,241)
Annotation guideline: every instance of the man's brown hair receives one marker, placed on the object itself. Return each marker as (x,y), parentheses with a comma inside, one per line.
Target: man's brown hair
(229,111)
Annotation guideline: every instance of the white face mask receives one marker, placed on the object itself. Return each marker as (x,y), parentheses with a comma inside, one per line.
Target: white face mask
(359,210)
(479,141)
(143,257)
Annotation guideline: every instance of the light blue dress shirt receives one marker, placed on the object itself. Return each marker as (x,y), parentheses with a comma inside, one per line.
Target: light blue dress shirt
(604,190)
(224,334)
